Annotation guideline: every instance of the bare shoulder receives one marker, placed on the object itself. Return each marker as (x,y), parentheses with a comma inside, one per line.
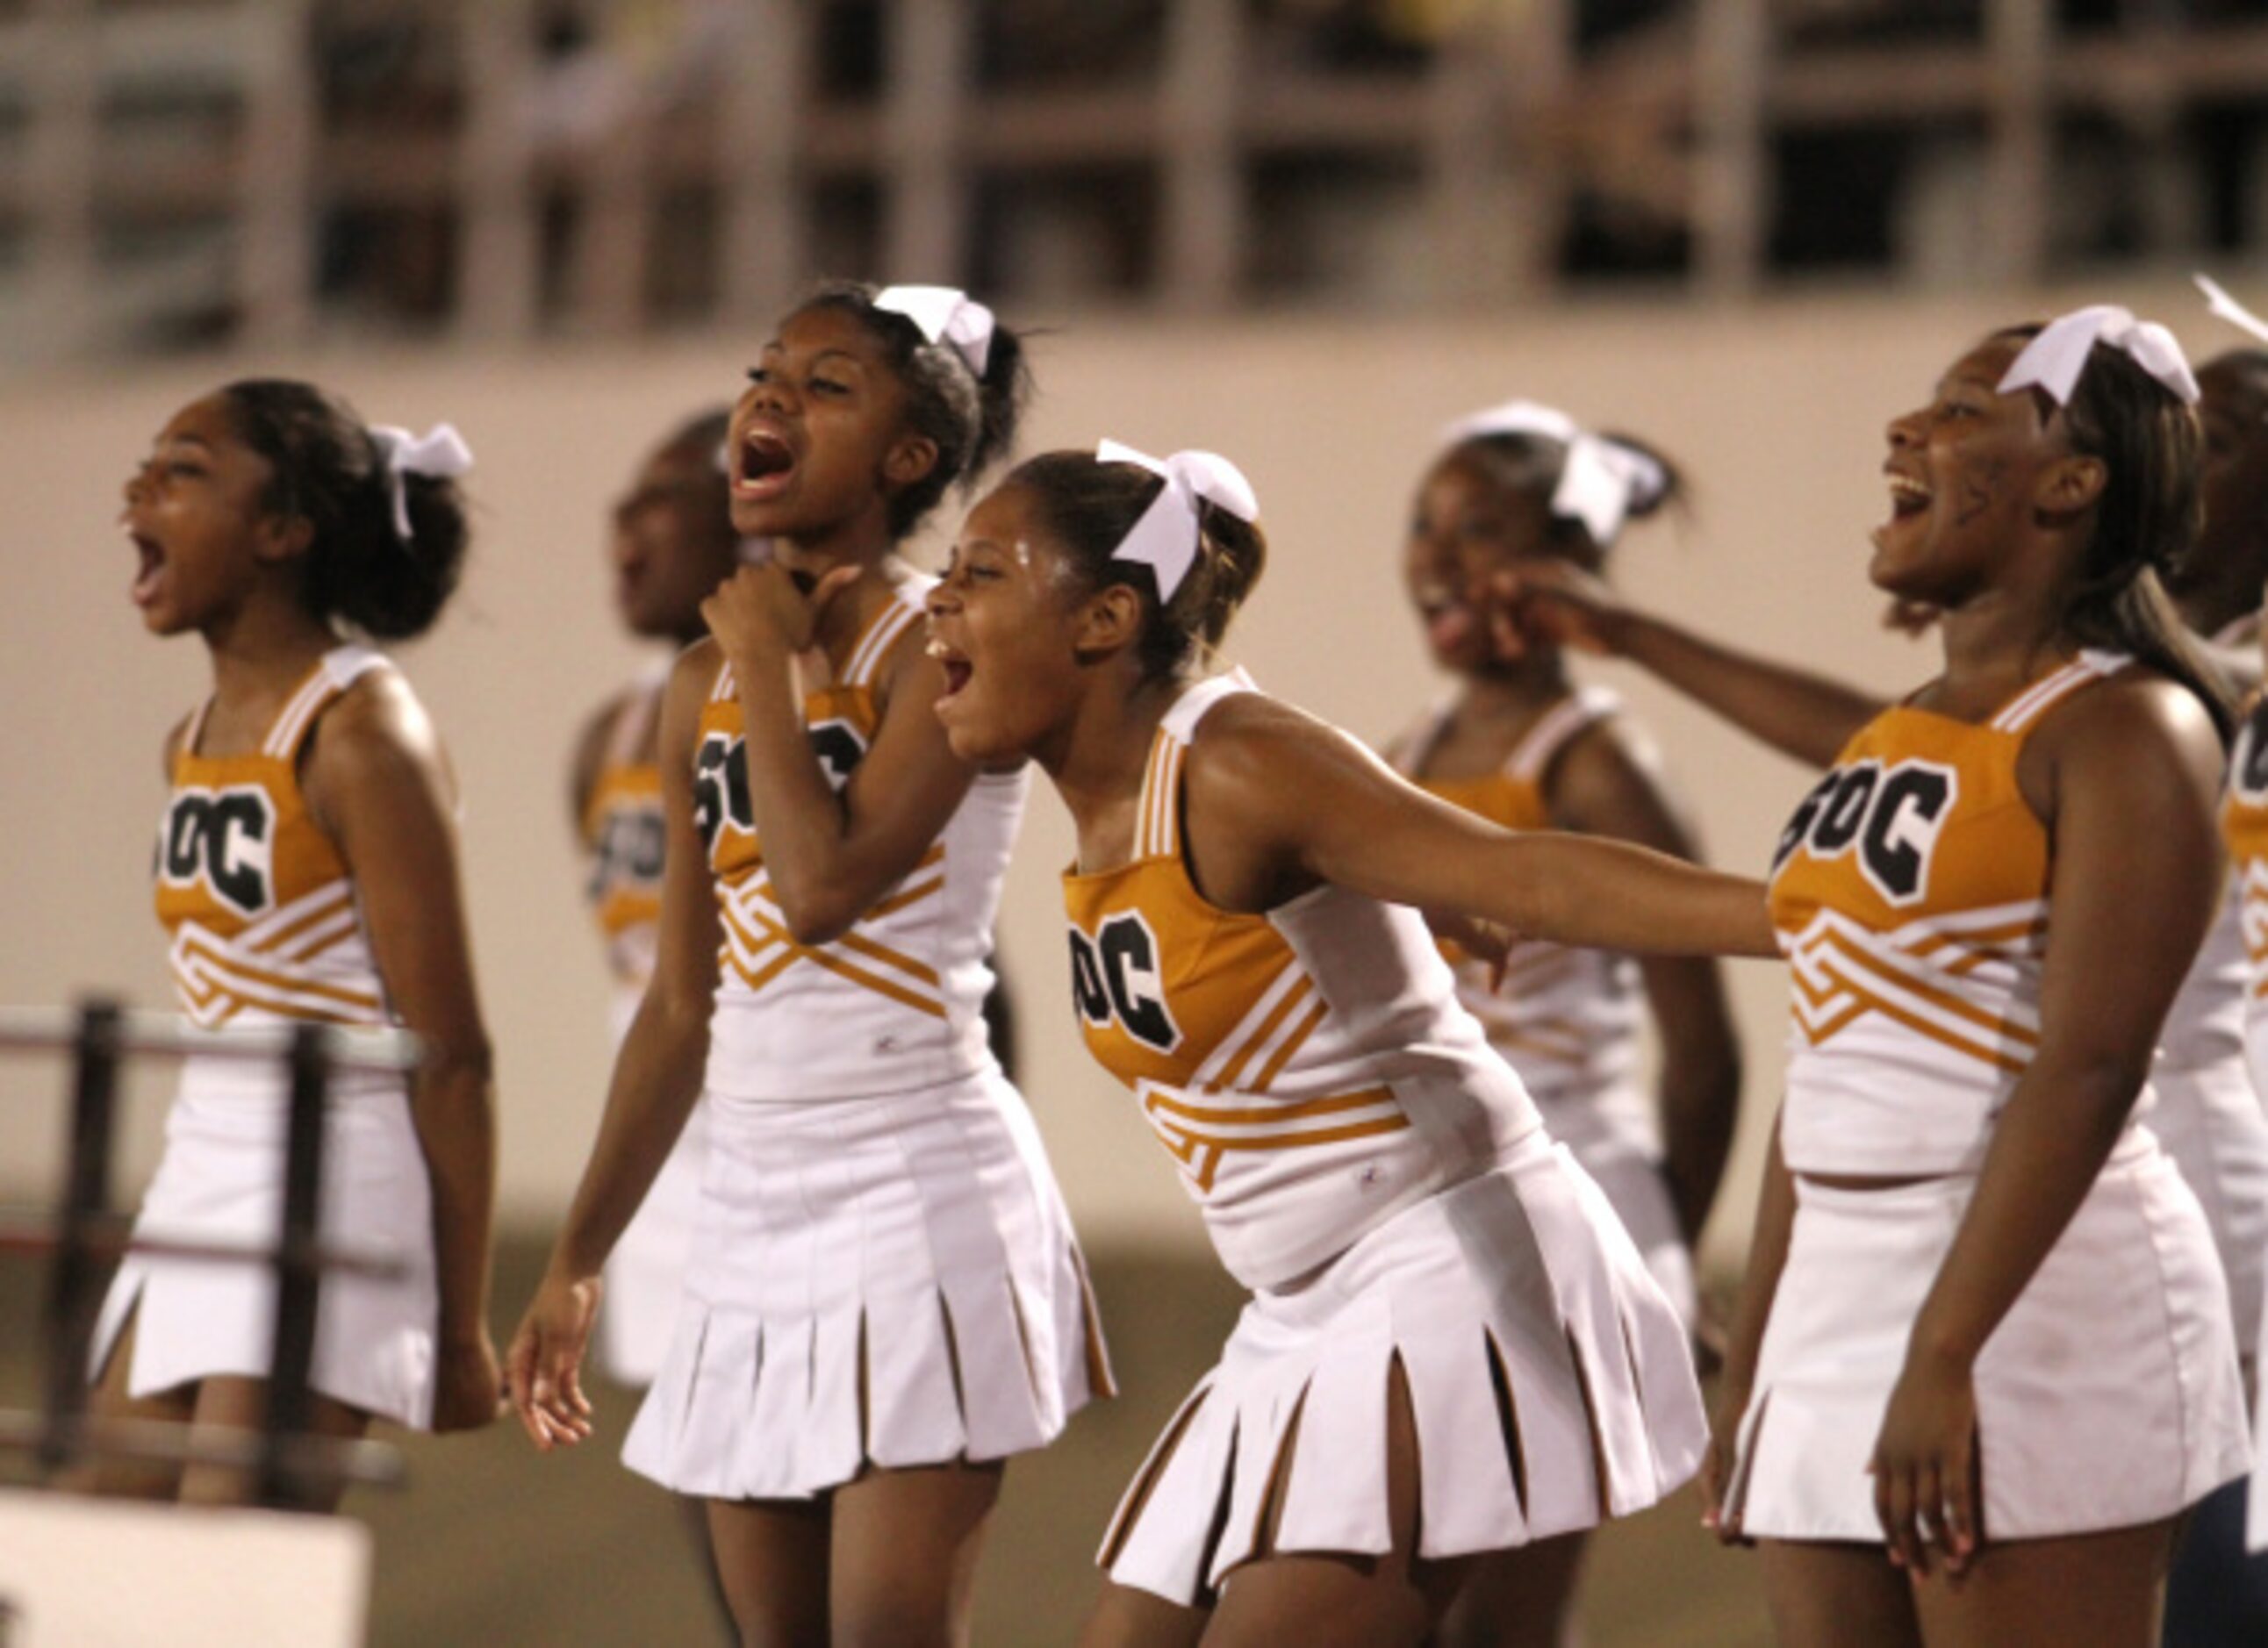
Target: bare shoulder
(377,723)
(1612,761)
(1254,748)
(2138,716)
(697,667)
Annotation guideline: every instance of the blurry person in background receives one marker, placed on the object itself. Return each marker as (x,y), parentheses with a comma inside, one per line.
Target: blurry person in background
(308,869)
(673,544)
(1521,744)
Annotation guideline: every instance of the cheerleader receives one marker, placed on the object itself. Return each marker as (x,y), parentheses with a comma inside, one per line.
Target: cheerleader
(2204,1110)
(307,870)
(673,544)
(1984,1360)
(1453,1347)
(1522,745)
(885,1300)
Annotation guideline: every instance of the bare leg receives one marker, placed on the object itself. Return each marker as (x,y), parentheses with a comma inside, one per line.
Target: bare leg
(1324,1599)
(1826,1596)
(771,1557)
(232,1403)
(1124,1617)
(2085,1591)
(1519,1598)
(906,1544)
(694,1514)
(127,1478)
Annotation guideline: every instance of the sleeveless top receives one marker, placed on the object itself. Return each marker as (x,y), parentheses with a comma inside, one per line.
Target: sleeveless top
(263,920)
(1567,1020)
(1310,1069)
(896,1003)
(624,835)
(1910,892)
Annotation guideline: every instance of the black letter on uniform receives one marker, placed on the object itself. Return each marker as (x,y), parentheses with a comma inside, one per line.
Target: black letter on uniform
(1897,864)
(1086,991)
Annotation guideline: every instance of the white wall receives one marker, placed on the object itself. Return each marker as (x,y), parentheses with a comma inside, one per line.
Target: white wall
(1777,412)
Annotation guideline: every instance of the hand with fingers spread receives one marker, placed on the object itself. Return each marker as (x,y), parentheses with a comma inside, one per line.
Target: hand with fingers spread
(766,612)
(468,1384)
(1927,1481)
(544,1367)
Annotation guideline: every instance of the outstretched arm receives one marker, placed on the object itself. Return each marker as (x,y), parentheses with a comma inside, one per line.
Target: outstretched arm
(1277,802)
(2133,761)
(1802,715)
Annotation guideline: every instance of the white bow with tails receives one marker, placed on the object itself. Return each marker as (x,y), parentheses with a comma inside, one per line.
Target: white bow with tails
(440,452)
(1166,539)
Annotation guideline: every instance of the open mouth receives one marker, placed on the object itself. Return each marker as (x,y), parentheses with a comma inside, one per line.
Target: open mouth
(152,573)
(1449,622)
(766,462)
(1908,496)
(957,668)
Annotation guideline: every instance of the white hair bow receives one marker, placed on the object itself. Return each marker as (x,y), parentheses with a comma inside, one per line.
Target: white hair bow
(1601,480)
(944,314)
(440,452)
(2054,360)
(1166,539)
(2228,309)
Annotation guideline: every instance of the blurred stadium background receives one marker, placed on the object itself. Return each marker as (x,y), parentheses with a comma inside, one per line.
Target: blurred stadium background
(1305,231)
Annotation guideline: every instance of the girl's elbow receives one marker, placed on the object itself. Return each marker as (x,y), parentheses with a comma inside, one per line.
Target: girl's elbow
(466,1059)
(817,916)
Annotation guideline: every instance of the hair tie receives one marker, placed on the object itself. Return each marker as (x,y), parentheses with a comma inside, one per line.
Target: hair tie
(1602,480)
(2054,361)
(944,314)
(440,452)
(1166,536)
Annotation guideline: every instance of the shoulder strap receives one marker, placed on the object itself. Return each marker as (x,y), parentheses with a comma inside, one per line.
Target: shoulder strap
(1532,757)
(2043,695)
(725,687)
(195,729)
(335,671)
(1158,821)
(1408,753)
(888,628)
(634,720)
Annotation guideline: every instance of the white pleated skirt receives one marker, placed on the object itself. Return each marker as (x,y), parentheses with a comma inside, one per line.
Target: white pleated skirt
(2211,1124)
(884,1281)
(645,1274)
(221,1179)
(2108,1397)
(1537,1352)
(1631,1175)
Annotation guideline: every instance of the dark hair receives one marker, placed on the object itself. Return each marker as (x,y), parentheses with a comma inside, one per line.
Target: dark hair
(2147,521)
(971,418)
(1530,464)
(329,469)
(2253,363)
(1087,507)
